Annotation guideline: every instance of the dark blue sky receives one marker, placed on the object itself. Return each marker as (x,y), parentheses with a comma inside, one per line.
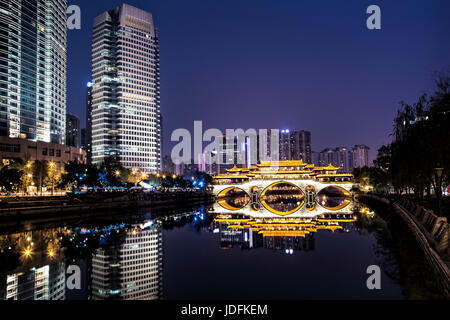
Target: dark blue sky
(294,64)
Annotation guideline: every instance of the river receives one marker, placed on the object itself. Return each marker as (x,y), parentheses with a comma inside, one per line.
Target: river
(199,253)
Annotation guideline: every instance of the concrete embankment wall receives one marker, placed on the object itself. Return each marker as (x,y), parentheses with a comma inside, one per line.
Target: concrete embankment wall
(89,204)
(430,231)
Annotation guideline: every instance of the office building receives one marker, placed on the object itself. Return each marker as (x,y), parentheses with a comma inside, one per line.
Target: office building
(88,136)
(33,70)
(126,119)
(72,131)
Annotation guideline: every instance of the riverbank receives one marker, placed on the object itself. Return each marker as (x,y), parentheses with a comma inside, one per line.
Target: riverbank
(58,207)
(417,276)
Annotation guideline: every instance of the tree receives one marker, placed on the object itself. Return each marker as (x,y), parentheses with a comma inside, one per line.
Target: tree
(112,173)
(53,176)
(10,178)
(77,175)
(421,143)
(40,173)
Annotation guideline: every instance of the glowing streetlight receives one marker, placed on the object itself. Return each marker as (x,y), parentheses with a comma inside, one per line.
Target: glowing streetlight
(117,173)
(27,252)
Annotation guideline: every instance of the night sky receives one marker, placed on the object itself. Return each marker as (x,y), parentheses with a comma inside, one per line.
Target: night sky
(310,65)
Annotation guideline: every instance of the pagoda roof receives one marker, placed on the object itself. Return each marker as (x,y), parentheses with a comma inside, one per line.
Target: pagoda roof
(234,169)
(330,167)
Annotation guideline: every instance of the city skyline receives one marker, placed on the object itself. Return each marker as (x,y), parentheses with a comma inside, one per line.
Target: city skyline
(378,68)
(194,150)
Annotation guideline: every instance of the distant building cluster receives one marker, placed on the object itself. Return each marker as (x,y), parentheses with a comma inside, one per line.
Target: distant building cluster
(344,158)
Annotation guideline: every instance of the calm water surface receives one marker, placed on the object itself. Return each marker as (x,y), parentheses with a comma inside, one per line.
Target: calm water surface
(198,254)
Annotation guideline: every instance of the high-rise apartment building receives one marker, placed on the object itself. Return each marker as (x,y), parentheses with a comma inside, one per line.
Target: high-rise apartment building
(340,157)
(295,145)
(344,159)
(361,156)
(33,69)
(72,130)
(126,119)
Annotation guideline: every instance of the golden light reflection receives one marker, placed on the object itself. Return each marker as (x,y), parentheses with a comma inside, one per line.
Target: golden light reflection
(286,227)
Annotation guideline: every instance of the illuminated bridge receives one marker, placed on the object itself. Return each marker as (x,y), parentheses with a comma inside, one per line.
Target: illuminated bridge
(283,188)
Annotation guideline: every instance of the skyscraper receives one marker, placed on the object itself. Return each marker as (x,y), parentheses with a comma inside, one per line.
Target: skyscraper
(72,130)
(126,119)
(33,69)
(88,134)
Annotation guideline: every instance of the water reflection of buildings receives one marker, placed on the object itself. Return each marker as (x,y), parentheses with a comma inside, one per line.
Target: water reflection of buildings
(116,262)
(288,234)
(38,283)
(37,270)
(130,268)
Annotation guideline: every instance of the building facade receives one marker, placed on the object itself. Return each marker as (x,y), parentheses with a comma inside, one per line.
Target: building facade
(126,89)
(361,156)
(88,135)
(33,69)
(14,148)
(72,130)
(340,157)
(295,145)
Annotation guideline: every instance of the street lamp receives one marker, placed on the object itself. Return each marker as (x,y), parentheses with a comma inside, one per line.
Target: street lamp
(438,171)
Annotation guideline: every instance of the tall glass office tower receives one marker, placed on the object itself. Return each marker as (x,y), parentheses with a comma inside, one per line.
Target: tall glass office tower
(126,119)
(33,69)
